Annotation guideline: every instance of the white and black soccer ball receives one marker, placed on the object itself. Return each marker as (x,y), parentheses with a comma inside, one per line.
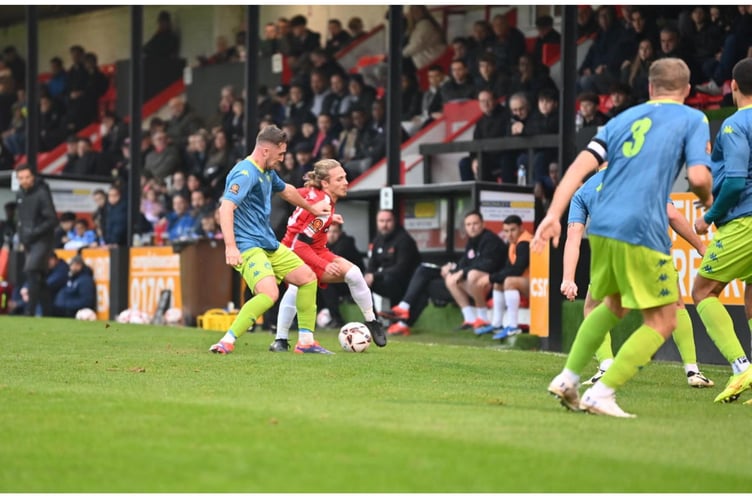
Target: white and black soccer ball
(86,314)
(354,337)
(133,316)
(173,317)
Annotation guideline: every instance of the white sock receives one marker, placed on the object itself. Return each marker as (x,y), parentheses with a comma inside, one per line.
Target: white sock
(468,314)
(499,305)
(689,367)
(404,305)
(572,376)
(305,337)
(601,390)
(360,292)
(512,298)
(482,313)
(287,312)
(739,365)
(605,364)
(229,338)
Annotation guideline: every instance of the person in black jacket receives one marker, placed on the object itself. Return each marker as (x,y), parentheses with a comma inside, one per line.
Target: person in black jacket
(116,219)
(79,291)
(37,220)
(393,256)
(342,244)
(492,123)
(465,281)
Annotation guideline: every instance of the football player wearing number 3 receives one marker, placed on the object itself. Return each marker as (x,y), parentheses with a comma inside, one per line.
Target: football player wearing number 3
(646,147)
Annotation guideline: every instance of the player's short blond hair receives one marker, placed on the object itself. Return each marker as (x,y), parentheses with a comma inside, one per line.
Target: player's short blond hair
(320,172)
(669,75)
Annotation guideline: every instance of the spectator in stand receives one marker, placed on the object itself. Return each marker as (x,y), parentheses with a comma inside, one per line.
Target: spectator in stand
(197,153)
(234,126)
(354,142)
(79,291)
(736,46)
(96,86)
(319,90)
(589,111)
(14,138)
(392,258)
(530,80)
(459,87)
(180,222)
(519,107)
(411,97)
(328,152)
(604,57)
(337,39)
(299,110)
(302,40)
(88,163)
(209,228)
(482,38)
(77,79)
(64,229)
(587,25)
(16,64)
(269,43)
(342,244)
(509,43)
(116,219)
(292,130)
(355,26)
(635,73)
(182,123)
(51,124)
(324,134)
(641,27)
(543,121)
(425,39)
(223,53)
(283,35)
(98,216)
(269,107)
(544,25)
(338,85)
(113,132)
(432,105)
(705,40)
(360,94)
(621,99)
(464,281)
(461,50)
(164,43)
(672,45)
(201,205)
(178,184)
(544,188)
(81,236)
(304,156)
(163,160)
(57,85)
(321,60)
(151,205)
(492,123)
(489,78)
(221,160)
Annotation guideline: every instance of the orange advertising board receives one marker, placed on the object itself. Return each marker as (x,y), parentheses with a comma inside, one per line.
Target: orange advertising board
(540,286)
(687,259)
(98,259)
(153,269)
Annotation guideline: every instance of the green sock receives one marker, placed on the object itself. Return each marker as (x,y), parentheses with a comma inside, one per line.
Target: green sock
(590,336)
(305,303)
(251,310)
(720,328)
(605,351)
(684,337)
(633,355)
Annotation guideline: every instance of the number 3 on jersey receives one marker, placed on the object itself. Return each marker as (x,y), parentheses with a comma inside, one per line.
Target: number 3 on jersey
(639,129)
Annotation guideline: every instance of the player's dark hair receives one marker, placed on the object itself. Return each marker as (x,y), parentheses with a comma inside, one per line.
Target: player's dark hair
(272,134)
(320,172)
(742,73)
(513,219)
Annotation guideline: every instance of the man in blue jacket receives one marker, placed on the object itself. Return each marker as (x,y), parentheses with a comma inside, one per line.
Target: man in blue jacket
(79,292)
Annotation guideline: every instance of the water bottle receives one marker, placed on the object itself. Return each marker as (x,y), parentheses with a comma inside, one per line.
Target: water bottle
(522,176)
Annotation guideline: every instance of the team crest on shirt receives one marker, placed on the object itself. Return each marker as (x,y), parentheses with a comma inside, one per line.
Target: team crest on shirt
(317,224)
(234,189)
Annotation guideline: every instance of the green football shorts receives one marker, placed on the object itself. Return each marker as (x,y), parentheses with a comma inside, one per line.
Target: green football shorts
(728,256)
(259,263)
(643,277)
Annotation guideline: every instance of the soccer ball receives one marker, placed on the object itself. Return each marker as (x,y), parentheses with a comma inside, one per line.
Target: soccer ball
(86,314)
(173,316)
(354,337)
(133,316)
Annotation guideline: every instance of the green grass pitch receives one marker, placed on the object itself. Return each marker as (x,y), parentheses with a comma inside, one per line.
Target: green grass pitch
(129,408)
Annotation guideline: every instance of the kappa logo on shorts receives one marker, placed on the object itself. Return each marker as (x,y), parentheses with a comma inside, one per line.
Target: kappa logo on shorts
(234,189)
(267,265)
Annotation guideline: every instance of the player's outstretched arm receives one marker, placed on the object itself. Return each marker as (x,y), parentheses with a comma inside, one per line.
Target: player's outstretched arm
(550,226)
(575,230)
(683,228)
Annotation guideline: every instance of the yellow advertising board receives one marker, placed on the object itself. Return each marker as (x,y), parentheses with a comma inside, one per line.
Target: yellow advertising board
(98,259)
(153,269)
(687,259)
